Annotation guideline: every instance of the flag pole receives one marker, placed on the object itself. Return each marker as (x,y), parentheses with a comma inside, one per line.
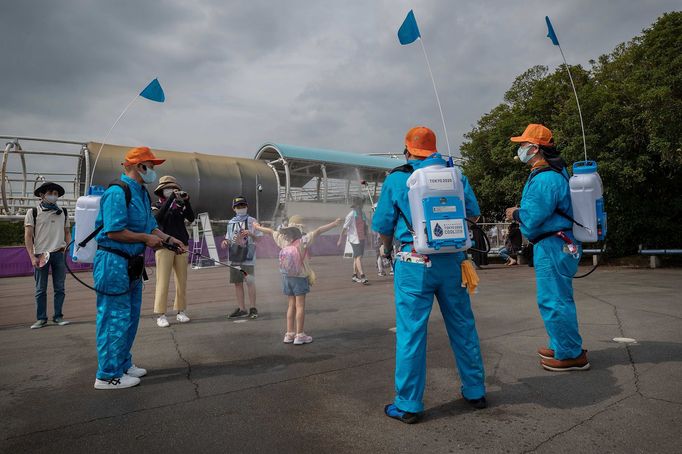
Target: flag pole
(575,93)
(433,81)
(94,166)
(551,34)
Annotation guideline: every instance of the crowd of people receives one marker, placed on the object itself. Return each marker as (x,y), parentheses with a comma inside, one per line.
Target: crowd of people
(131,222)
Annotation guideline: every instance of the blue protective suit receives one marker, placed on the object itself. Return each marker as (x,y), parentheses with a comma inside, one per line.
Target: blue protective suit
(543,194)
(415,286)
(118,316)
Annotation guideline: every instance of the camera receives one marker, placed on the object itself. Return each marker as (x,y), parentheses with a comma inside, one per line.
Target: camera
(182,194)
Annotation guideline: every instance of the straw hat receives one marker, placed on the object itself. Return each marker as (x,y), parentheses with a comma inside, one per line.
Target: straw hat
(166,182)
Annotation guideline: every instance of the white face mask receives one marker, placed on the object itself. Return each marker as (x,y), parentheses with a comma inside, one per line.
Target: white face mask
(167,193)
(523,155)
(51,198)
(241,211)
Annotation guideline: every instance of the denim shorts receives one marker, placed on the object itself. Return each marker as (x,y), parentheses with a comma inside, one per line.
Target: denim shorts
(293,286)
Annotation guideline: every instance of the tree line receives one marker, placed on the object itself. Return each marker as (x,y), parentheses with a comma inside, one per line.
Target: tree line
(631,101)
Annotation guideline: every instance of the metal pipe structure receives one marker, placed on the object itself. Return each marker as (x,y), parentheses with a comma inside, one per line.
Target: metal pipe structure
(211,181)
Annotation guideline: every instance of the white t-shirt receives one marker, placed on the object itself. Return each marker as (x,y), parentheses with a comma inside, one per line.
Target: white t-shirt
(48,230)
(350,225)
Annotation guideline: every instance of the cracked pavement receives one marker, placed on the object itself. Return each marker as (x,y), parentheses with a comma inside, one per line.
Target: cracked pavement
(215,385)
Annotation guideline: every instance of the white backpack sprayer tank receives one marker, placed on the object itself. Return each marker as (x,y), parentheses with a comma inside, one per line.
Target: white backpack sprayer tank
(587,200)
(87,209)
(436,197)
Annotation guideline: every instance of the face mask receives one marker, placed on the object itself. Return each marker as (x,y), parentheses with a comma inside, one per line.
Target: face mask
(148,177)
(523,155)
(51,198)
(241,211)
(167,193)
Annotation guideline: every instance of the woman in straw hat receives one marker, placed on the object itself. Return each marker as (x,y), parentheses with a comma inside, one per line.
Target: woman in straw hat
(171,211)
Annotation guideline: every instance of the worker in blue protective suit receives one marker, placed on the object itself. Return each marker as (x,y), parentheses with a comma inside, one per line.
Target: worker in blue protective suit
(545,217)
(128,226)
(416,284)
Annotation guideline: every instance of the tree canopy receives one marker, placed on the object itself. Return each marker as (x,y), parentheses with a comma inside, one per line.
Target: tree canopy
(631,101)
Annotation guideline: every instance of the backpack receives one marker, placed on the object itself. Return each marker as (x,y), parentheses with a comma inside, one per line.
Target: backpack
(291,260)
(128,196)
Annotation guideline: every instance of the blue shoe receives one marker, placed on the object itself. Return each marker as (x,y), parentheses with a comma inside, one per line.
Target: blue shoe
(403,416)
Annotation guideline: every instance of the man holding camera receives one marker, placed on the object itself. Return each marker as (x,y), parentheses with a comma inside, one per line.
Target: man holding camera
(239,237)
(171,211)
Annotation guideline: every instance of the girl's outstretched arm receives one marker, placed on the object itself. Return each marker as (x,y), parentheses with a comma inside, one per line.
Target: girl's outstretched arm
(260,228)
(327,227)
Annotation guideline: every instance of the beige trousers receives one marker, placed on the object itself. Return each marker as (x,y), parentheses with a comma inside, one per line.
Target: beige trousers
(167,261)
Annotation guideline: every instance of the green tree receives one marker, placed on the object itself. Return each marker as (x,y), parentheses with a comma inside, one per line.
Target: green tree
(632,105)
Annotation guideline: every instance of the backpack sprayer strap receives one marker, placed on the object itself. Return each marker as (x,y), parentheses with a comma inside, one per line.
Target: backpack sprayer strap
(88,238)
(408,224)
(136,267)
(572,247)
(542,236)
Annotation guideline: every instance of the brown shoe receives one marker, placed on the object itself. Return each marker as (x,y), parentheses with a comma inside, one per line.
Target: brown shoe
(546,353)
(564,365)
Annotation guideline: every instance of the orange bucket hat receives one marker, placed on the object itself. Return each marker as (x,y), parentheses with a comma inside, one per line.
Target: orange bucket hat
(141,154)
(537,134)
(420,141)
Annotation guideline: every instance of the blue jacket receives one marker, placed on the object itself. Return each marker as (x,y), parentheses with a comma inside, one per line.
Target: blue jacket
(116,216)
(386,219)
(543,194)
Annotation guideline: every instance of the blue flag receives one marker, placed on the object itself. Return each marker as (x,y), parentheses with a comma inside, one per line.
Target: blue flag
(550,32)
(153,91)
(408,32)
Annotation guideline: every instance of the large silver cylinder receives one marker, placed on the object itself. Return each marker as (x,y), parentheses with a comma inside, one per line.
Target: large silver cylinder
(212,181)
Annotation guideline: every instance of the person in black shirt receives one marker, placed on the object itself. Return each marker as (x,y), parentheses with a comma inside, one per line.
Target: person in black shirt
(171,211)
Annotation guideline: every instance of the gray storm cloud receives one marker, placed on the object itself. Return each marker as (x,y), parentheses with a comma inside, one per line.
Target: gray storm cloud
(312,73)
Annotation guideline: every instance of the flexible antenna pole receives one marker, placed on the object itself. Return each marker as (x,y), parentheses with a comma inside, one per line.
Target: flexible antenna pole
(94,166)
(433,81)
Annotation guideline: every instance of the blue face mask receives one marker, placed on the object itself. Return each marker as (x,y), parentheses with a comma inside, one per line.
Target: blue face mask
(523,155)
(149,176)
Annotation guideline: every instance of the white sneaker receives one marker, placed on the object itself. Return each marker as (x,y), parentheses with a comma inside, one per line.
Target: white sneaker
(162,321)
(136,372)
(182,317)
(302,338)
(126,381)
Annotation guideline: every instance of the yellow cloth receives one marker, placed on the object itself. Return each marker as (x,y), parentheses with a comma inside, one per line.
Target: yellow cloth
(469,277)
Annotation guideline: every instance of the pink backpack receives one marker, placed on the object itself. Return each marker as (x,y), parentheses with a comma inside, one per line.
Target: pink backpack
(290,259)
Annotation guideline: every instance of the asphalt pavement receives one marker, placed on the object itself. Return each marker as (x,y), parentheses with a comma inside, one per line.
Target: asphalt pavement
(216,385)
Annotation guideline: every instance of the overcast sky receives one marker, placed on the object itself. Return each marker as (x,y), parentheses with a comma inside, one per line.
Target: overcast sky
(317,73)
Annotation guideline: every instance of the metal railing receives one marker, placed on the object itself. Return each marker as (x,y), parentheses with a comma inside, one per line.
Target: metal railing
(497,233)
(24,169)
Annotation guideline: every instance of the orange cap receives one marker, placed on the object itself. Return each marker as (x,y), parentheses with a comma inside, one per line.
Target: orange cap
(536,134)
(420,141)
(141,154)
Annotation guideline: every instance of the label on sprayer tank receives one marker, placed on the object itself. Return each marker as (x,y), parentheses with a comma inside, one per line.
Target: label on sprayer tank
(448,229)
